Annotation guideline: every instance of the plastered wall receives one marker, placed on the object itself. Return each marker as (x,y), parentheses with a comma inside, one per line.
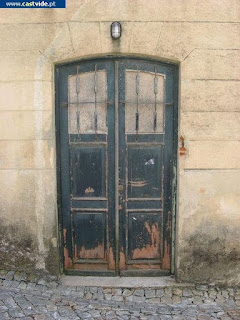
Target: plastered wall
(203,37)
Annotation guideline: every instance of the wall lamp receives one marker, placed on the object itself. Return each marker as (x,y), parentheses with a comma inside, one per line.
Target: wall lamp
(116,30)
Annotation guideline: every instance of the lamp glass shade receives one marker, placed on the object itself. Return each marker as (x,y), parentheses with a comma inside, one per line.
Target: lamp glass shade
(116,30)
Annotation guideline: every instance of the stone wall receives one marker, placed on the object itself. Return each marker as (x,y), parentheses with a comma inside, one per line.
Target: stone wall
(47,298)
(203,37)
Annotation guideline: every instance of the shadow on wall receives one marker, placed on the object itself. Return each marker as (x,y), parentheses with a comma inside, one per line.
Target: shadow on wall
(211,255)
(19,251)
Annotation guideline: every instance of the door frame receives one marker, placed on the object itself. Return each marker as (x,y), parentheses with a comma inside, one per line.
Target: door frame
(175,67)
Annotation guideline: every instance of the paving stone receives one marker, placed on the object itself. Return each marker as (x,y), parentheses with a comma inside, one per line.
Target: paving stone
(42,317)
(151,293)
(197,299)
(52,285)
(46,299)
(22,285)
(129,298)
(108,296)
(4,316)
(42,282)
(168,291)
(177,291)
(220,299)
(138,292)
(225,294)
(107,290)
(230,304)
(93,289)
(166,299)
(117,298)
(3,274)
(231,292)
(116,292)
(110,314)
(237,296)
(237,303)
(153,300)
(139,299)
(159,293)
(89,296)
(14,284)
(10,275)
(52,308)
(7,283)
(176,299)
(10,303)
(166,317)
(187,292)
(212,293)
(3,309)
(127,293)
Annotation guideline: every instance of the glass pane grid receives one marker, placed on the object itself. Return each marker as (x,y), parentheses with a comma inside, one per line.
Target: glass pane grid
(144,102)
(87,102)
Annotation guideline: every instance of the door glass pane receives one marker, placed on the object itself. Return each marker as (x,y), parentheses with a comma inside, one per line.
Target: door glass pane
(83,110)
(150,98)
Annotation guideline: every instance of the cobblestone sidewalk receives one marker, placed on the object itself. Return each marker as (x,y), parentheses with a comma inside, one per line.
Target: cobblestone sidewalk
(21,298)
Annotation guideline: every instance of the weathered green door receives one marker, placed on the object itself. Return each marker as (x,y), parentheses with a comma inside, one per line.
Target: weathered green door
(115,125)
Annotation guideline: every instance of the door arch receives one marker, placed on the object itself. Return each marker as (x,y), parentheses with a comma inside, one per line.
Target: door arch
(116,151)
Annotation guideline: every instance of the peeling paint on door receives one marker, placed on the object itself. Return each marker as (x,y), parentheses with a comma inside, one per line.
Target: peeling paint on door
(135,234)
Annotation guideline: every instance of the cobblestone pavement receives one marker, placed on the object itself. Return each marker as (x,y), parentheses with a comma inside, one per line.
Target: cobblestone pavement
(40,300)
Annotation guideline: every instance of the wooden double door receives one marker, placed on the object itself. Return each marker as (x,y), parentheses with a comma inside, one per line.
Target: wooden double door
(115,141)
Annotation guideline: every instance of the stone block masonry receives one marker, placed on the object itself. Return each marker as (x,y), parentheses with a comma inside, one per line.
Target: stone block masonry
(24,296)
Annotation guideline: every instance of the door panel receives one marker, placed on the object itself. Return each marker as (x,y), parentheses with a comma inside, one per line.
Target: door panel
(89,171)
(145,90)
(115,178)
(144,172)
(144,236)
(89,232)
(86,134)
